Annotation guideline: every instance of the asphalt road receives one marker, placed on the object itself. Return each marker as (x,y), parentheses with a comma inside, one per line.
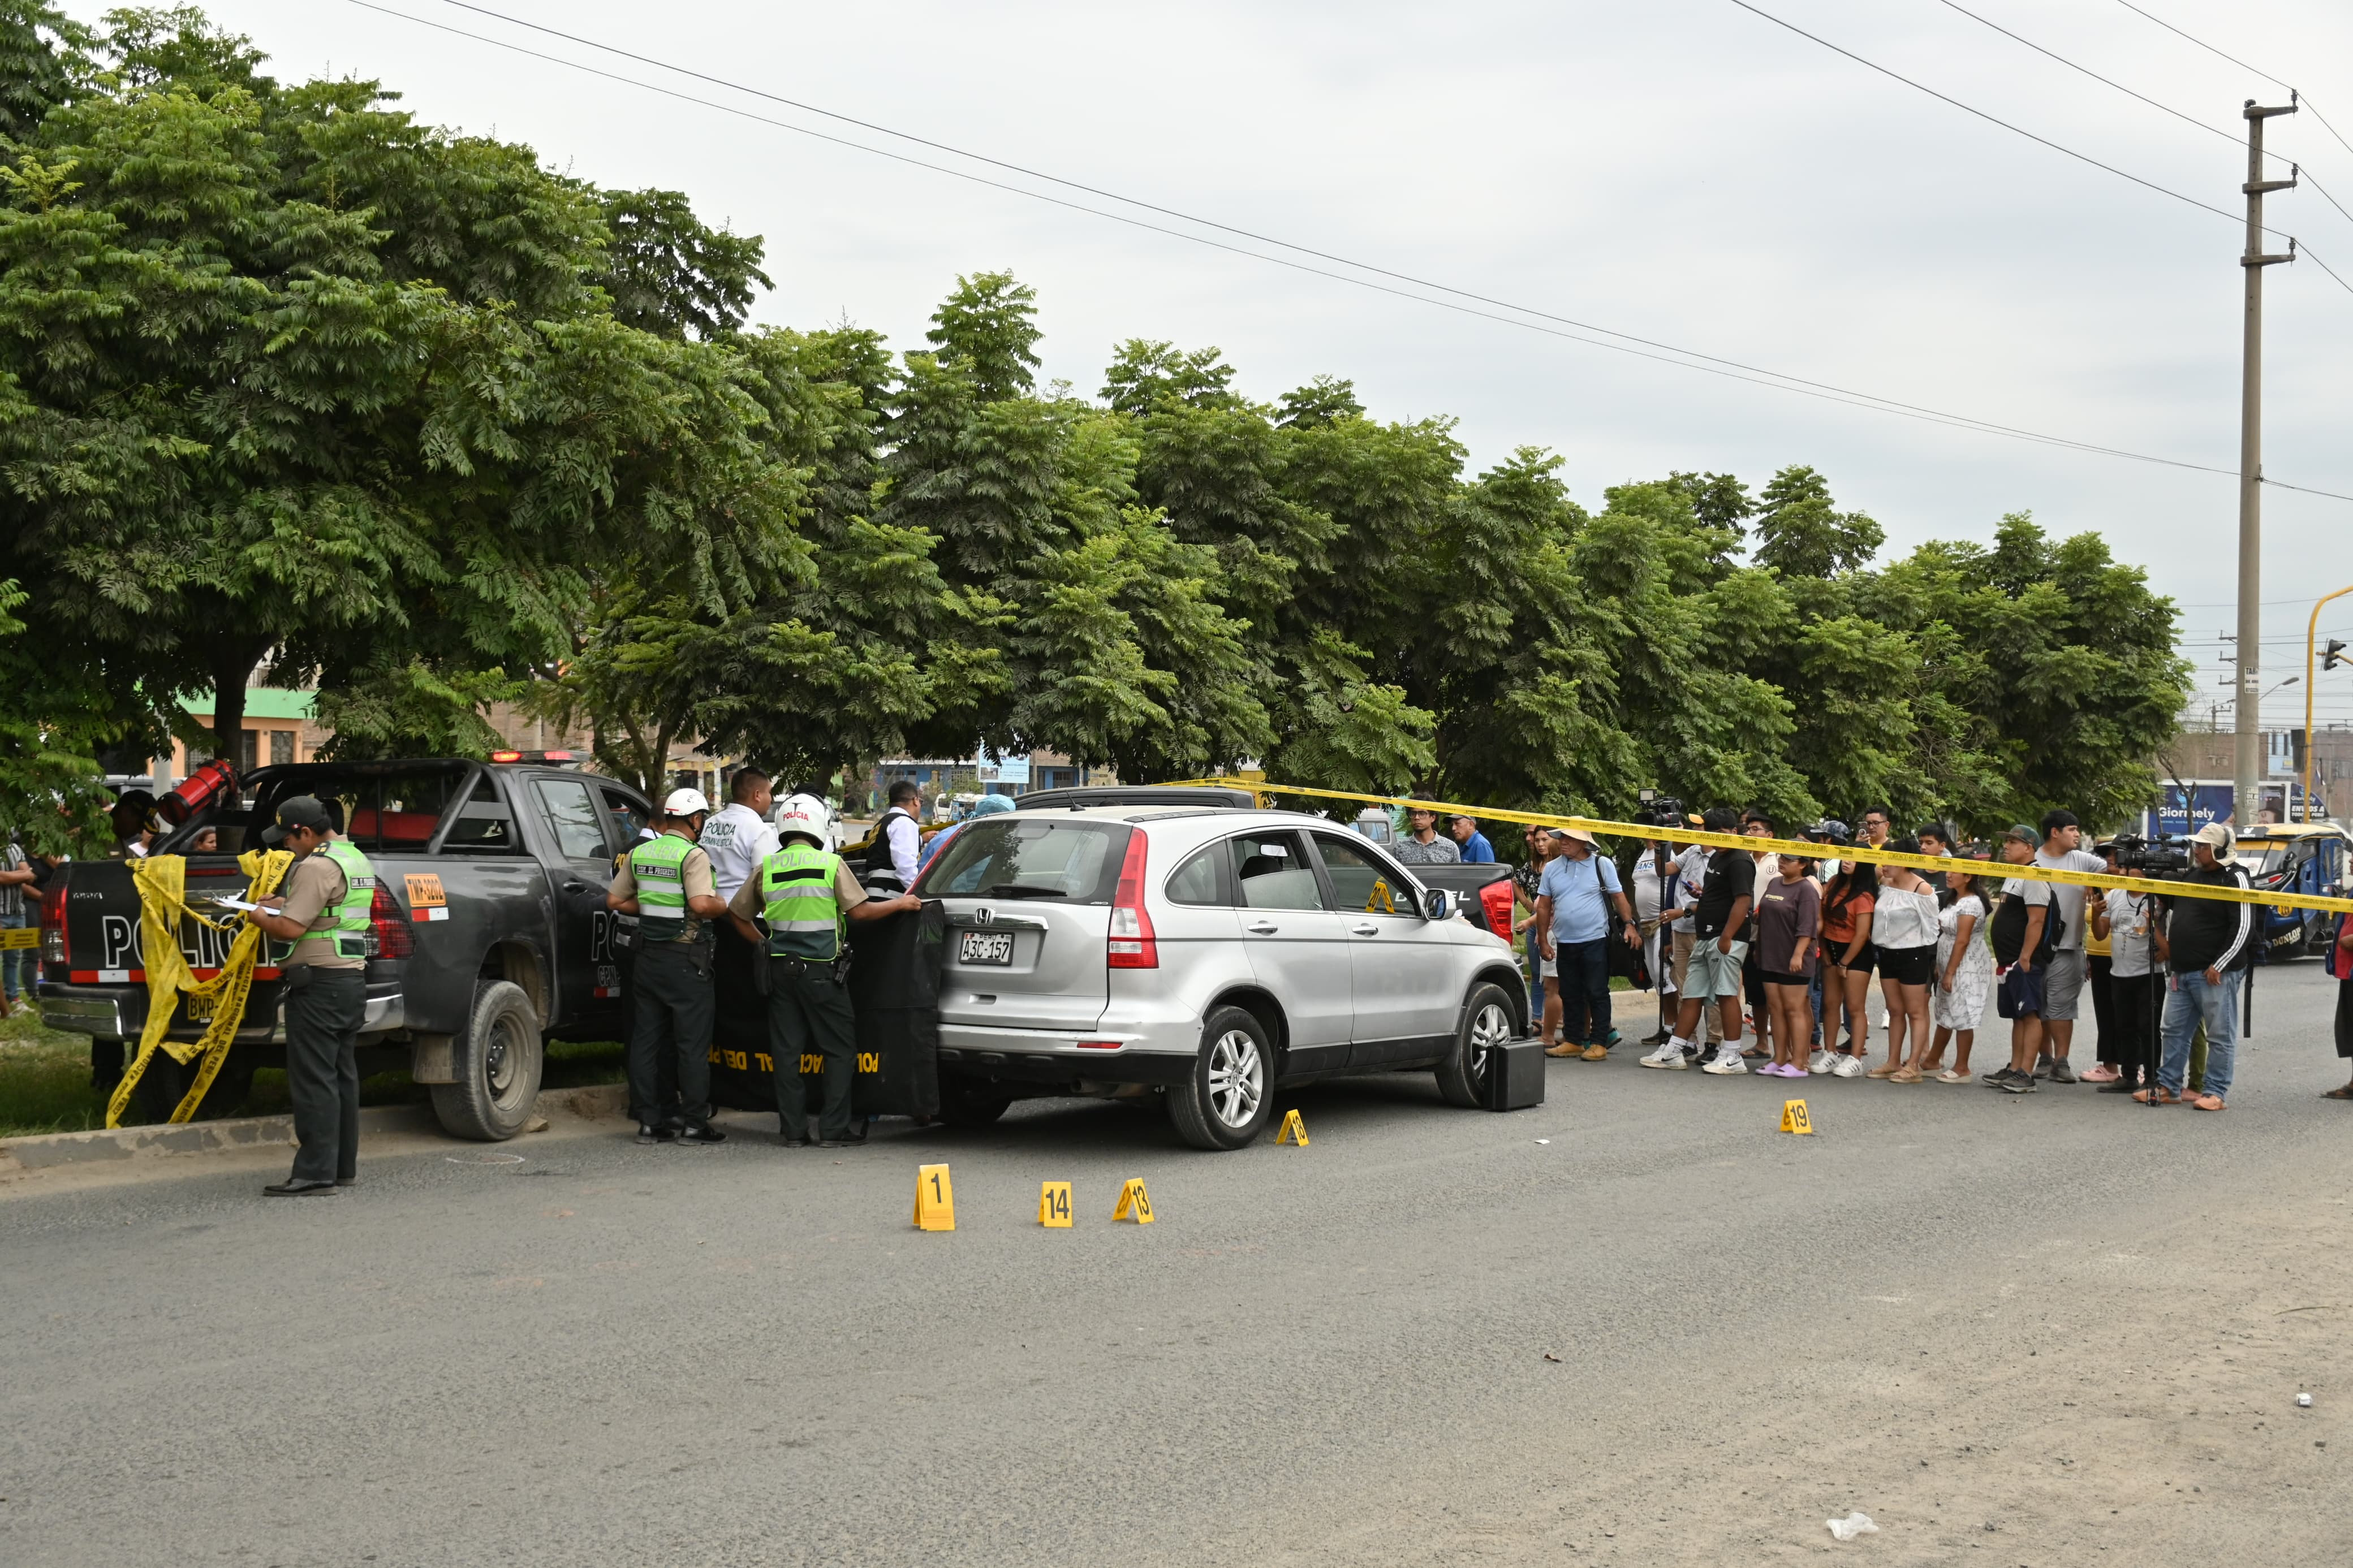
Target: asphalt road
(2038,1330)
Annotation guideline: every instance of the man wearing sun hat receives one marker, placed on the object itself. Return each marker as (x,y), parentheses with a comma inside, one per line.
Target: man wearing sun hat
(1573,919)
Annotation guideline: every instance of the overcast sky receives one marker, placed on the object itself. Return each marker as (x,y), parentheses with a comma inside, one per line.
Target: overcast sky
(1682,170)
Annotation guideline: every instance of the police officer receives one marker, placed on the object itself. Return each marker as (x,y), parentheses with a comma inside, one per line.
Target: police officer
(666,882)
(324,913)
(807,894)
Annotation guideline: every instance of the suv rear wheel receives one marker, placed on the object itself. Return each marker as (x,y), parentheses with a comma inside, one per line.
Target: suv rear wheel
(1486,1023)
(1226,1101)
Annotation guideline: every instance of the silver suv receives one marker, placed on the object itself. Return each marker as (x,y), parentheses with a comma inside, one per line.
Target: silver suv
(1205,954)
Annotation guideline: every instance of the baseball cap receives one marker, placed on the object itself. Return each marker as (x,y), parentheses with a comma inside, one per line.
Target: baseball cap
(2215,837)
(297,811)
(684,803)
(2023,834)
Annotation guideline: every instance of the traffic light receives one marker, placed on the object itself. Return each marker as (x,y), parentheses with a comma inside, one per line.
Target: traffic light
(2332,653)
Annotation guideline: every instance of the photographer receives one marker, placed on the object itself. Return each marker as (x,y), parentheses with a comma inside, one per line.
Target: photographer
(2212,944)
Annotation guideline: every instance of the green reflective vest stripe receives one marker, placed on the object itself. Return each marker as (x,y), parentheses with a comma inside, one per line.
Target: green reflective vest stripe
(351,929)
(796,890)
(659,865)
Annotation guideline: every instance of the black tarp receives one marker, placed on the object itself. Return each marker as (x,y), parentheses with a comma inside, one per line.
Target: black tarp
(894,990)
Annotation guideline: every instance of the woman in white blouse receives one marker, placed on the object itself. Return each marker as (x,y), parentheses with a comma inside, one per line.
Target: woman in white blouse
(1903,929)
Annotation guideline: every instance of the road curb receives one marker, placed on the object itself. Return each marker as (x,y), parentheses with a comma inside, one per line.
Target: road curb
(52,1150)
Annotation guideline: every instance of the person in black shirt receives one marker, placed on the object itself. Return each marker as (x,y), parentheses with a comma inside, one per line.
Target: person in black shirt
(2212,944)
(1713,974)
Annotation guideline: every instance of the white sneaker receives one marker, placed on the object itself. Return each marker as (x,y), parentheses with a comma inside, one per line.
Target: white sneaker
(1727,1060)
(1668,1055)
(1847,1067)
(1820,1063)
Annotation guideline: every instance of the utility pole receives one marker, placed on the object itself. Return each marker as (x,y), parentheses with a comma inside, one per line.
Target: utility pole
(2247,712)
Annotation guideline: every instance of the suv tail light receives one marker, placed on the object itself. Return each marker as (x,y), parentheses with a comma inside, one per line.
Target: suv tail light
(1131,945)
(1496,897)
(392,938)
(53,925)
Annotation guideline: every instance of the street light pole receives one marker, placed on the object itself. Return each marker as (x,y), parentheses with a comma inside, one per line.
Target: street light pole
(2311,637)
(2247,709)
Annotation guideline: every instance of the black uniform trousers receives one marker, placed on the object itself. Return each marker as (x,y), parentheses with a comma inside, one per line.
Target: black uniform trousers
(809,1013)
(669,1033)
(324,1009)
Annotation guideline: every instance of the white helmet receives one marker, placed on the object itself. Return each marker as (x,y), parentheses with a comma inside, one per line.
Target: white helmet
(805,814)
(685,803)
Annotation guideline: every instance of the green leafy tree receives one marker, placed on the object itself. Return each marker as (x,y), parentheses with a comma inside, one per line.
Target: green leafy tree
(287,375)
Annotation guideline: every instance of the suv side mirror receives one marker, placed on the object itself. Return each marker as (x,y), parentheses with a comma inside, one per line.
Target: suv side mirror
(1438,904)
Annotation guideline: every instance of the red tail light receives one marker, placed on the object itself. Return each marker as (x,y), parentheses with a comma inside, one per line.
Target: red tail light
(1131,945)
(392,938)
(1496,899)
(54,947)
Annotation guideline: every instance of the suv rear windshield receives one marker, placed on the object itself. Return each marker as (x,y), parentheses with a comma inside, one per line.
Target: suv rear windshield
(1075,861)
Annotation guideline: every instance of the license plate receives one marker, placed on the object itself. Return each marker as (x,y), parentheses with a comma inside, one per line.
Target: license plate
(985,947)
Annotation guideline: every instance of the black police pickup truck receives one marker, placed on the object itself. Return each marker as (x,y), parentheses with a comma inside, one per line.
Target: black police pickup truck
(489,933)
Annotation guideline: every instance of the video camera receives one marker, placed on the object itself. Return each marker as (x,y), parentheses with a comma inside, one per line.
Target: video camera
(1661,810)
(2136,853)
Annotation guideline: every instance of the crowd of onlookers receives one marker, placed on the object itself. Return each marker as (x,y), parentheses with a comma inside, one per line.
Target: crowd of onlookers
(1764,961)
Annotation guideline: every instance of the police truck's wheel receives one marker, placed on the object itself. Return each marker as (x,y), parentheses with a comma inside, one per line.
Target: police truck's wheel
(1487,1023)
(498,1061)
(1226,1101)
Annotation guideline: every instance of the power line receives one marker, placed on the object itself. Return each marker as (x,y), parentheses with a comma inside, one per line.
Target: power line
(1781,381)
(2302,174)
(2031,136)
(1828,393)
(1939,415)
(2242,65)
(1995,119)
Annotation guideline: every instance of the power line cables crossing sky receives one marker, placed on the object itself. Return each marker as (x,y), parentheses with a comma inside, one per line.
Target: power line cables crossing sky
(1526,318)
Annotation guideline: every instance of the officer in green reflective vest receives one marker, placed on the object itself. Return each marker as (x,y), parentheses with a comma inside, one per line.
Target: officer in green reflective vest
(666,882)
(807,895)
(326,912)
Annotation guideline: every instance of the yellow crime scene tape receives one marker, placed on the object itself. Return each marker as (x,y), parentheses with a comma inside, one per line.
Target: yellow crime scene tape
(1805,848)
(162,903)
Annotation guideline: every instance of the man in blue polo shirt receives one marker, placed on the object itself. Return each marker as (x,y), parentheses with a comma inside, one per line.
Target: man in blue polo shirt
(1575,919)
(1473,845)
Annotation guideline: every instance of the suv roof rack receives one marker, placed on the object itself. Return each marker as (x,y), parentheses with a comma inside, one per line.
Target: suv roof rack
(1136,794)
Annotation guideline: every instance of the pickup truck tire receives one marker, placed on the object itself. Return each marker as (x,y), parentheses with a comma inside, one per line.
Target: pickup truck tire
(1227,1098)
(498,1060)
(1487,1022)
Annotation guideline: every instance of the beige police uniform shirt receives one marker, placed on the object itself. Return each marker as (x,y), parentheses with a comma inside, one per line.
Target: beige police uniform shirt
(694,876)
(314,886)
(847,892)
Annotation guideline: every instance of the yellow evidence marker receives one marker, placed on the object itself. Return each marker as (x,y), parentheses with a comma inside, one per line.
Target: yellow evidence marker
(1054,1206)
(1294,1130)
(1133,1204)
(1794,1118)
(935,1199)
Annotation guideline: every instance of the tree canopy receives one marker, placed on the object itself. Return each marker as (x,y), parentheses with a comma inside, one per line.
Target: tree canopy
(289,379)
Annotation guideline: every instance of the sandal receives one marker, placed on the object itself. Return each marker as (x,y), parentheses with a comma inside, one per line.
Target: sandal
(2164,1096)
(2344,1093)
(1952,1075)
(2207,1102)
